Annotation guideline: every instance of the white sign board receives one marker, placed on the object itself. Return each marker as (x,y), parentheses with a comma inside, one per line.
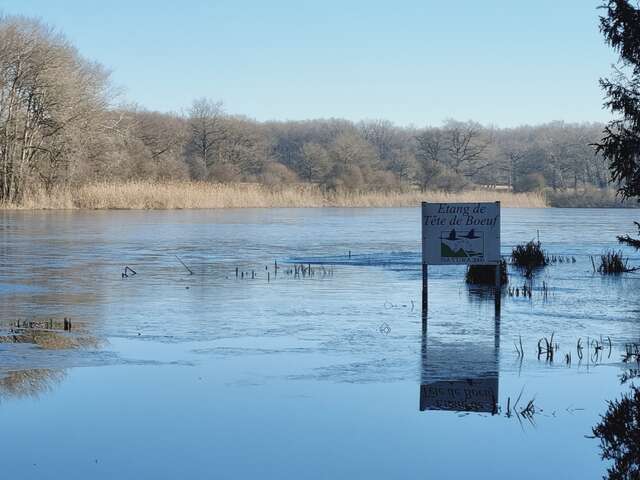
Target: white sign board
(460,233)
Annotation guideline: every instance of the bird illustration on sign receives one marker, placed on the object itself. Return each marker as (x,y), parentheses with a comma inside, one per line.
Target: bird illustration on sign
(463,244)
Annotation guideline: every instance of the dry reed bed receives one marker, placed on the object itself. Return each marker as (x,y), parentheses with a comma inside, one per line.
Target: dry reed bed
(193,195)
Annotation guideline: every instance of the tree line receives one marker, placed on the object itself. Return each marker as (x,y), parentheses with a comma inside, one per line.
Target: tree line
(60,126)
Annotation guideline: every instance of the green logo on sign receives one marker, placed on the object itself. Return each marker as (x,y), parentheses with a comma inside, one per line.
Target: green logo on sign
(463,244)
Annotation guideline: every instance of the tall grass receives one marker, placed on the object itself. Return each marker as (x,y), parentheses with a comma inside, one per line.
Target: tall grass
(613,263)
(588,198)
(182,195)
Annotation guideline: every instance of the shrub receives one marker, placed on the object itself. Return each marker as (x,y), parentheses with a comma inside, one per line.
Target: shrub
(224,173)
(529,256)
(275,173)
(533,182)
(435,176)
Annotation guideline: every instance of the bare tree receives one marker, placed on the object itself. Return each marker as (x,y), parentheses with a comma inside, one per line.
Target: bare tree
(430,145)
(384,137)
(207,130)
(353,158)
(163,134)
(466,147)
(46,90)
(316,163)
(58,127)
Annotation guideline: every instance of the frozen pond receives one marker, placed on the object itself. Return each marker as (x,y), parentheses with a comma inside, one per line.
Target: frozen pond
(165,374)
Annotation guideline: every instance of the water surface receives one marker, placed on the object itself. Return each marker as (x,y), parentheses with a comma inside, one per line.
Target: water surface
(165,374)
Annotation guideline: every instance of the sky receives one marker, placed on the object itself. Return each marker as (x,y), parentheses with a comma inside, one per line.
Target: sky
(502,63)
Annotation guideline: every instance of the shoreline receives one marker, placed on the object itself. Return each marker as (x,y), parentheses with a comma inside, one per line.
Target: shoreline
(144,195)
(185,195)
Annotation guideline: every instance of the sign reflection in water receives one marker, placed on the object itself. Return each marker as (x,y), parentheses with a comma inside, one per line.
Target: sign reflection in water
(459,372)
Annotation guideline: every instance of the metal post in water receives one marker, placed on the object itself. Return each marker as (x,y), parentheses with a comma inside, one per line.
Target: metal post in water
(425,271)
(498,289)
(425,288)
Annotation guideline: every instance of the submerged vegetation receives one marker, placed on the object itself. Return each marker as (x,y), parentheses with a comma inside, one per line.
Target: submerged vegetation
(47,334)
(613,263)
(486,274)
(548,348)
(529,256)
(527,411)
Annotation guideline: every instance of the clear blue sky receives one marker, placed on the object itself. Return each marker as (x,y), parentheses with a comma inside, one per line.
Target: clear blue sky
(419,62)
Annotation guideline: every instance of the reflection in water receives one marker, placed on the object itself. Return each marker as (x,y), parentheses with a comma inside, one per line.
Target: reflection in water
(310,350)
(460,374)
(29,383)
(619,434)
(47,335)
(481,293)
(49,340)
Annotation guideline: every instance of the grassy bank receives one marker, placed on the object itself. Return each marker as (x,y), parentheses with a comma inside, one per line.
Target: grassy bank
(588,198)
(179,195)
